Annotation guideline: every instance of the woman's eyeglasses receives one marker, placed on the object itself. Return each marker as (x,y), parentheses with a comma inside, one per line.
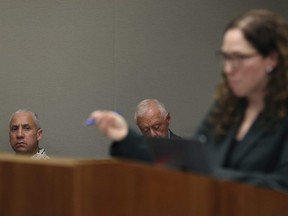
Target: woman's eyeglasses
(235,59)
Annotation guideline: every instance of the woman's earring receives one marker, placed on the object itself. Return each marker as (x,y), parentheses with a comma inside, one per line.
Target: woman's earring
(269,69)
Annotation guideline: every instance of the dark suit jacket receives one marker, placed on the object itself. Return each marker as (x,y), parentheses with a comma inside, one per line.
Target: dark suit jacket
(261,158)
(173,136)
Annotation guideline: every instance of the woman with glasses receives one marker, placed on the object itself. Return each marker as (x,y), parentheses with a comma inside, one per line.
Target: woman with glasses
(246,130)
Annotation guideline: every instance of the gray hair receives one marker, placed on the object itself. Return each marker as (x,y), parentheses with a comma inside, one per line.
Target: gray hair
(144,105)
(33,114)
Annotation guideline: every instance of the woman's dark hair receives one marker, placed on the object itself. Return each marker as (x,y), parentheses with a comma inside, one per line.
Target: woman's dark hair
(267,33)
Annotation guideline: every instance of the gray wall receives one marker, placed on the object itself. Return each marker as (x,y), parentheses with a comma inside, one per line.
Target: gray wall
(66,58)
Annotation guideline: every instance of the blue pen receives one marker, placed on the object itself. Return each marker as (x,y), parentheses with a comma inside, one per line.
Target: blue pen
(92,121)
(89,122)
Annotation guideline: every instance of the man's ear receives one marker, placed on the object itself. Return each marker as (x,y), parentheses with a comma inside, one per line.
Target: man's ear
(39,134)
(168,118)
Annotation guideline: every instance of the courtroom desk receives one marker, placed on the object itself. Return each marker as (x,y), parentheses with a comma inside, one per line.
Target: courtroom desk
(76,187)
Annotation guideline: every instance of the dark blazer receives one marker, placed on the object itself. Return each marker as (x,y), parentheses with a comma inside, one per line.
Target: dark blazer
(261,158)
(174,136)
(133,146)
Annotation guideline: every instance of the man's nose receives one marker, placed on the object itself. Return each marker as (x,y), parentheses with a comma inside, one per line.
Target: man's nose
(19,132)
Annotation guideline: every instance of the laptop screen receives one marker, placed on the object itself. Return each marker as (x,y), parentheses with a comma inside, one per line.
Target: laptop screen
(181,154)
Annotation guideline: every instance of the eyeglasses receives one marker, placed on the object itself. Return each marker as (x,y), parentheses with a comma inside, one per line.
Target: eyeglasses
(235,59)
